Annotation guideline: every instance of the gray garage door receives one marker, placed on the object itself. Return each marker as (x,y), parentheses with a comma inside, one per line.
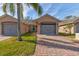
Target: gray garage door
(9,29)
(48,29)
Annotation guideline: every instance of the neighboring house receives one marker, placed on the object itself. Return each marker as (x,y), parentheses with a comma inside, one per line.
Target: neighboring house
(73,23)
(8,25)
(47,25)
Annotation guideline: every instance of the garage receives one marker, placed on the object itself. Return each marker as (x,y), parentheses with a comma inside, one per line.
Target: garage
(8,25)
(9,28)
(47,25)
(48,29)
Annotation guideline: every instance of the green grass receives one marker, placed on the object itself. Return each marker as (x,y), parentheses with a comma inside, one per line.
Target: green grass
(71,36)
(11,47)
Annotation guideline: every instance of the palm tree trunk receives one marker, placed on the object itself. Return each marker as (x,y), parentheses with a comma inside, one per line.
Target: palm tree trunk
(18,23)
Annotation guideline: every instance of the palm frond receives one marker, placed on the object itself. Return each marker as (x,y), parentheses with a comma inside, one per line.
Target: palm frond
(37,7)
(4,7)
(12,8)
(40,10)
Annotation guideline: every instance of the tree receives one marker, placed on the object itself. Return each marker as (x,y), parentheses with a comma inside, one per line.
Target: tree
(70,17)
(19,6)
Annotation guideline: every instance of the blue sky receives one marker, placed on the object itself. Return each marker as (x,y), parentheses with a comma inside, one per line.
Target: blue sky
(59,10)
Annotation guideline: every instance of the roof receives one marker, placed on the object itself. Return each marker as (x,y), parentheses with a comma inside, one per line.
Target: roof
(6,15)
(68,21)
(52,17)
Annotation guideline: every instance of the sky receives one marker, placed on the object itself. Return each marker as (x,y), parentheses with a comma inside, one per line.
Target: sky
(58,10)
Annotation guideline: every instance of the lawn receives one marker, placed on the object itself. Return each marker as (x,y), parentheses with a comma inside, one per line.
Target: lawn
(11,47)
(71,36)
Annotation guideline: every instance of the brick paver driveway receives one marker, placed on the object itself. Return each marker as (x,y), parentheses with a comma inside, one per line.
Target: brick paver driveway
(56,46)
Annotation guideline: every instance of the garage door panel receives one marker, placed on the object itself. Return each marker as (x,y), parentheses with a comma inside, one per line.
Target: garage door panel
(77,28)
(48,29)
(9,29)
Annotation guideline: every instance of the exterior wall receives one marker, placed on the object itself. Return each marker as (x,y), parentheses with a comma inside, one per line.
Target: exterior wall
(32,28)
(63,29)
(38,28)
(24,27)
(57,28)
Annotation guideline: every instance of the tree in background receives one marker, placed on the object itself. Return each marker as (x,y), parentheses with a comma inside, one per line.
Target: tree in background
(70,17)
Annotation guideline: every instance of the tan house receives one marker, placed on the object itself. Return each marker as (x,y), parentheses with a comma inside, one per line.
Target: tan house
(47,25)
(8,25)
(69,25)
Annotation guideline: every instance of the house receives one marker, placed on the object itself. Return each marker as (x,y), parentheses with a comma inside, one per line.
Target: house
(32,26)
(47,25)
(8,25)
(69,26)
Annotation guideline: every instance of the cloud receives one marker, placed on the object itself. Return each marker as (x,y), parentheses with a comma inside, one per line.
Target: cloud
(55,9)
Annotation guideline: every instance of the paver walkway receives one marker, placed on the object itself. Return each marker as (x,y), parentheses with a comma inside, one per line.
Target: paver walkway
(56,46)
(4,37)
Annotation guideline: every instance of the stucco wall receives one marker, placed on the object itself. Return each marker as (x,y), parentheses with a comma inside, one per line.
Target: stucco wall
(63,29)
(24,28)
(38,28)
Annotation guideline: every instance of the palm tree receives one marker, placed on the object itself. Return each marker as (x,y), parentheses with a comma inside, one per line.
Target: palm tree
(11,6)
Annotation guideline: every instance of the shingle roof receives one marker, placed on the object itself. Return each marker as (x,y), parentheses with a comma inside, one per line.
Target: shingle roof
(68,21)
(5,15)
(47,15)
